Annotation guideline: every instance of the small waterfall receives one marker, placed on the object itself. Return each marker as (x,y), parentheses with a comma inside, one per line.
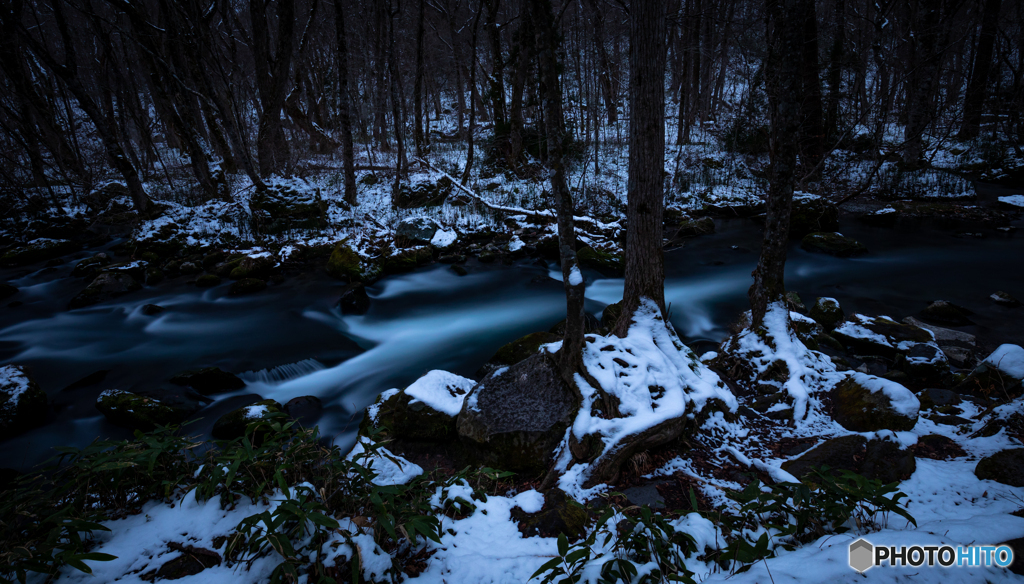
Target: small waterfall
(283,373)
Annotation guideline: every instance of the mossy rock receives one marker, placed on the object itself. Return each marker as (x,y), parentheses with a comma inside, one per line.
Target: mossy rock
(875,459)
(696,228)
(207,281)
(924,363)
(137,412)
(208,380)
(522,348)
(607,264)
(611,315)
(233,424)
(105,286)
(407,260)
(827,312)
(1006,467)
(247,286)
(834,244)
(369,179)
(561,515)
(812,214)
(851,332)
(404,418)
(345,263)
(90,266)
(39,250)
(288,204)
(859,409)
(946,313)
(415,231)
(423,193)
(23,403)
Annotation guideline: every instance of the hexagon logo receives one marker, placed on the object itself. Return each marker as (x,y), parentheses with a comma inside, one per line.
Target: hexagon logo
(861,555)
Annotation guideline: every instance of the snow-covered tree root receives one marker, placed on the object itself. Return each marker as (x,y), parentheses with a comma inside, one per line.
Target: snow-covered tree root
(649,388)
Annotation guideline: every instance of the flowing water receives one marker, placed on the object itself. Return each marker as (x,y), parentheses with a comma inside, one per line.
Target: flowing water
(291,340)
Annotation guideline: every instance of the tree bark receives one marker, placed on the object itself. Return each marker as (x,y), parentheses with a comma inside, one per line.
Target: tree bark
(645,267)
(604,62)
(344,105)
(417,90)
(812,130)
(975,96)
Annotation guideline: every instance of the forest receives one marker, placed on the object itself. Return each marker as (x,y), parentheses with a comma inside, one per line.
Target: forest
(511,290)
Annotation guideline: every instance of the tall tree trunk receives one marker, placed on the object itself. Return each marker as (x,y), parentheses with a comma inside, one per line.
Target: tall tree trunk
(344,105)
(497,81)
(544,23)
(645,266)
(812,131)
(924,63)
(524,57)
(978,86)
(836,56)
(417,90)
(604,62)
(272,73)
(785,50)
(472,96)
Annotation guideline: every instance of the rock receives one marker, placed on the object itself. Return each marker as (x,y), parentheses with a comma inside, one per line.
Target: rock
(23,403)
(937,398)
(246,286)
(6,291)
(459,270)
(514,420)
(407,260)
(188,268)
(288,204)
(924,363)
(305,409)
(138,412)
(207,281)
(104,287)
(875,459)
(959,357)
(234,423)
(695,228)
(354,299)
(561,515)
(345,263)
(208,380)
(424,191)
(834,244)
(252,267)
(135,269)
(735,207)
(1006,467)
(827,312)
(89,266)
(885,217)
(415,231)
(937,447)
(426,410)
(998,376)
(153,276)
(37,250)
(518,350)
(610,315)
(1004,299)
(945,337)
(943,312)
(606,263)
(591,324)
(811,214)
(152,309)
(878,336)
(865,403)
(99,199)
(191,561)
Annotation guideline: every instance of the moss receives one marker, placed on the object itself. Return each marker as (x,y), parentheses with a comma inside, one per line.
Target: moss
(407,260)
(247,286)
(827,312)
(833,244)
(39,251)
(345,263)
(858,409)
(137,412)
(560,515)
(607,263)
(611,315)
(207,281)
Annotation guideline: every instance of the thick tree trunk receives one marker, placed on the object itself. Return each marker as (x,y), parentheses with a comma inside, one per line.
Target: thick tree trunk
(812,130)
(497,81)
(472,98)
(417,89)
(924,63)
(835,70)
(604,62)
(272,73)
(975,96)
(645,267)
(571,354)
(344,105)
(785,50)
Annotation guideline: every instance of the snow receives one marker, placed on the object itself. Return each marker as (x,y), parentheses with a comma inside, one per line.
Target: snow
(1009,359)
(1015,200)
(441,391)
(373,410)
(14,383)
(575,277)
(902,399)
(444,238)
(391,469)
(858,331)
(515,244)
(255,412)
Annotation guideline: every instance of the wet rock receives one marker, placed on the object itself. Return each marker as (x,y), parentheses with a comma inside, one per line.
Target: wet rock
(561,515)
(735,207)
(1006,467)
(415,231)
(345,263)
(827,312)
(6,291)
(451,258)
(208,380)
(247,286)
(959,357)
(104,287)
(306,409)
(252,267)
(607,264)
(89,266)
(288,204)
(518,350)
(37,250)
(811,214)
(514,420)
(696,228)
(138,412)
(865,403)
(937,447)
(998,376)
(207,281)
(423,192)
(1004,299)
(459,270)
(152,309)
(426,410)
(878,336)
(834,244)
(234,423)
(947,313)
(354,299)
(23,404)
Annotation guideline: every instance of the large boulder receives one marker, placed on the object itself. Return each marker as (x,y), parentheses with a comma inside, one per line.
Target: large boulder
(811,213)
(1006,467)
(874,459)
(259,267)
(138,412)
(89,266)
(22,401)
(998,376)
(865,403)
(426,410)
(99,199)
(208,380)
(37,250)
(518,350)
(515,417)
(104,287)
(287,204)
(415,231)
(1004,299)
(345,263)
(827,312)
(947,313)
(881,335)
(924,363)
(406,260)
(832,243)
(233,424)
(354,299)
(423,191)
(608,264)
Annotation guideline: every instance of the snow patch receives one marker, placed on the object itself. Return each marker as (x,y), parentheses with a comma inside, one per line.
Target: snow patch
(441,391)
